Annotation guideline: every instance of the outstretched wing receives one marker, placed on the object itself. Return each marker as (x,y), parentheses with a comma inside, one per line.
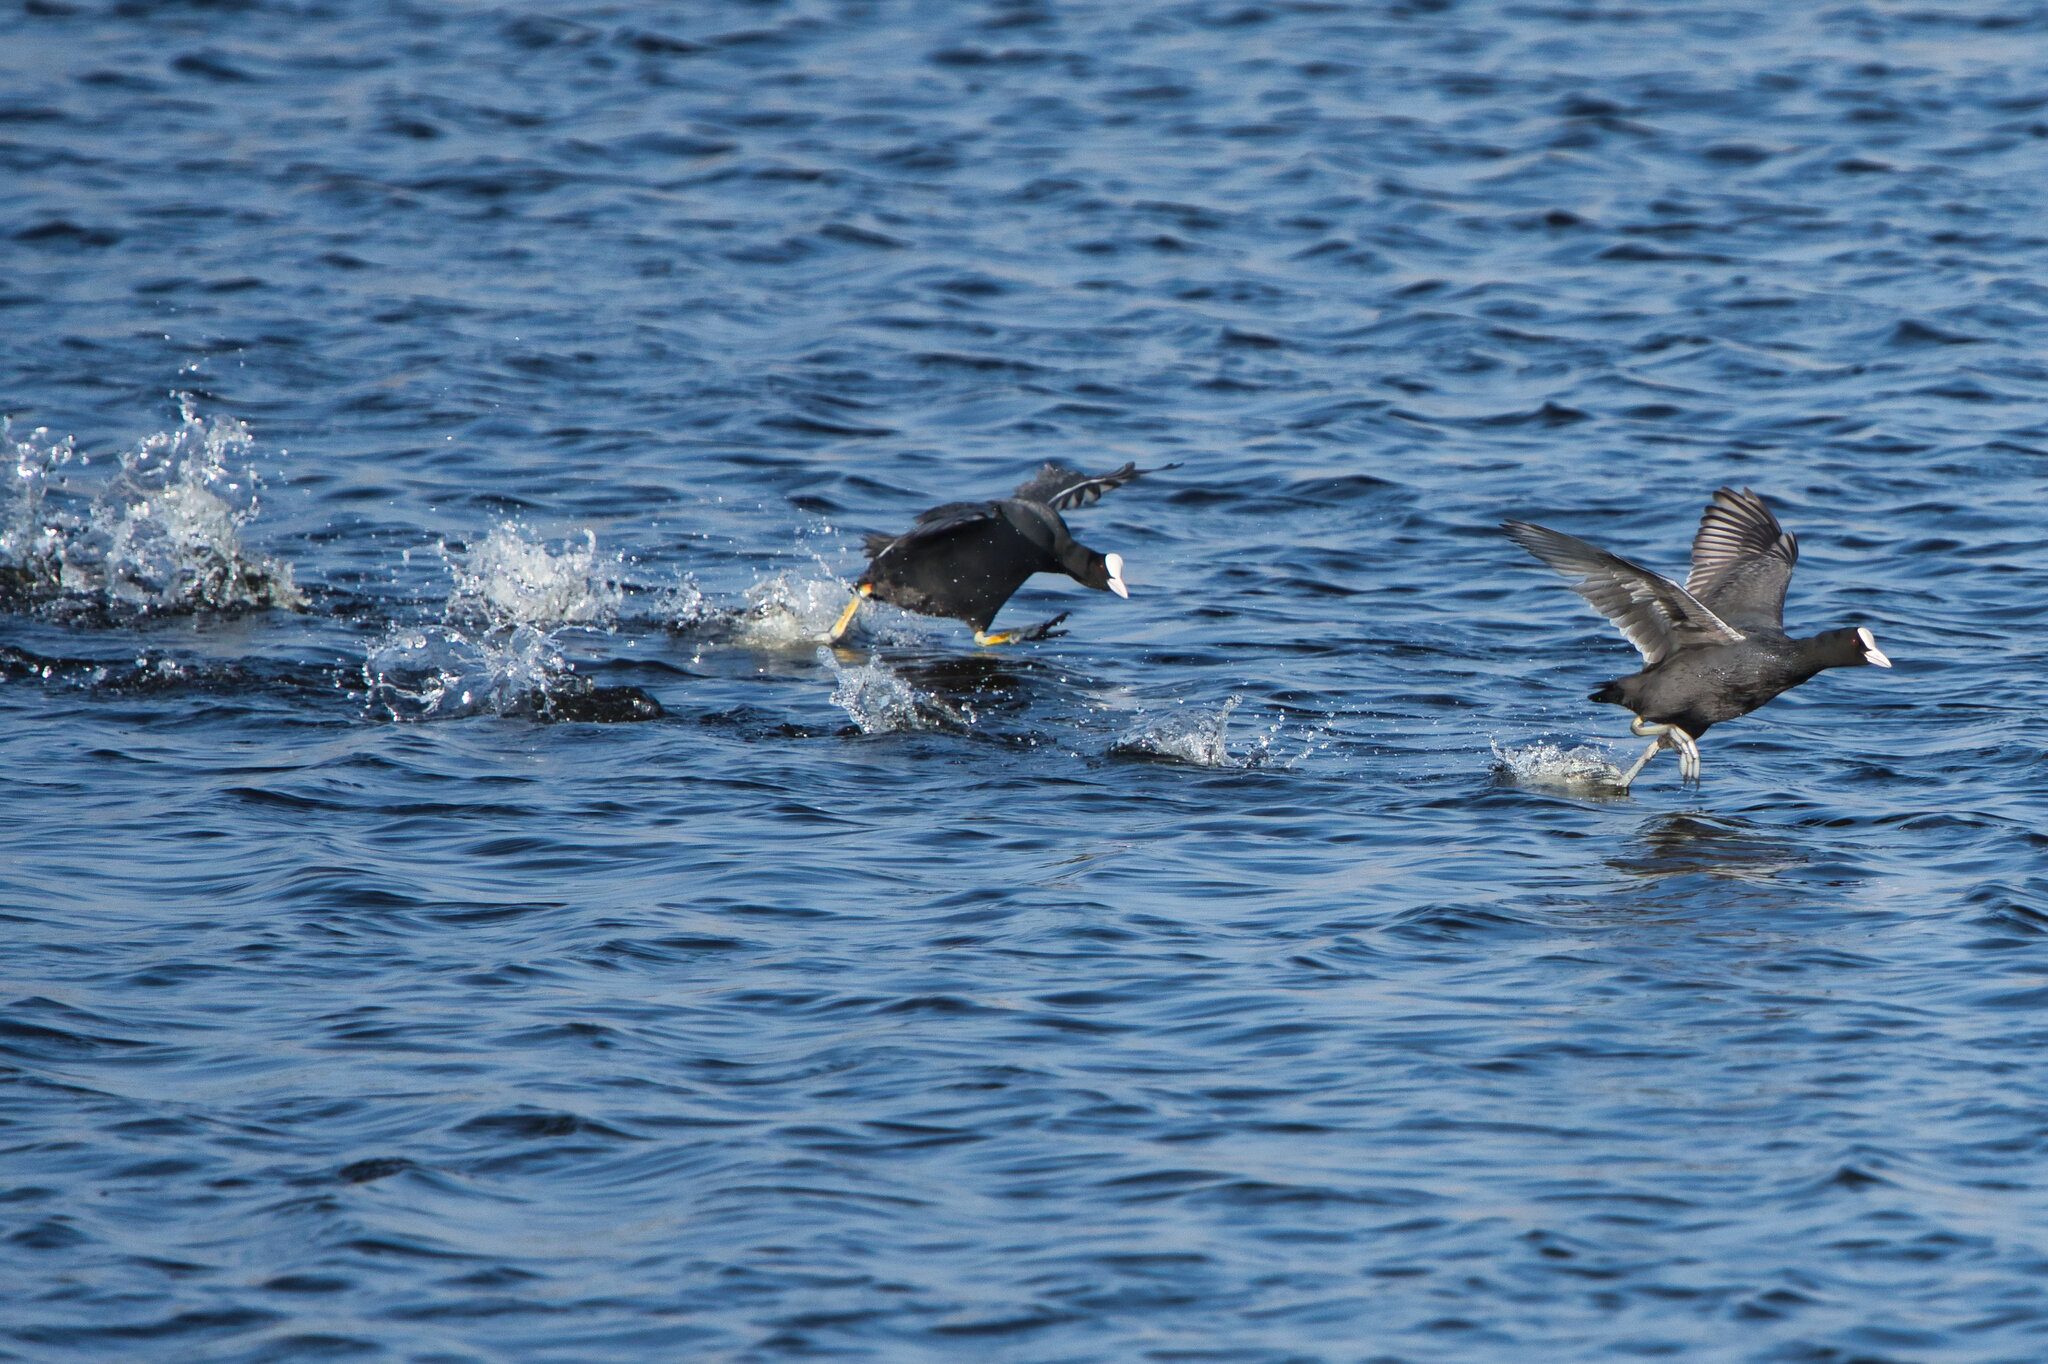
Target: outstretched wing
(931,525)
(1064,489)
(1657,615)
(1742,560)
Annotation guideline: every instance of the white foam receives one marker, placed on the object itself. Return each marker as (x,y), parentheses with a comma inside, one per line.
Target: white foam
(788,612)
(794,608)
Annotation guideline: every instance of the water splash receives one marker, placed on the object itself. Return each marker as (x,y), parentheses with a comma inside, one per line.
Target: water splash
(1201,738)
(31,547)
(683,607)
(788,612)
(161,536)
(424,672)
(881,702)
(1583,769)
(508,580)
(501,647)
(441,672)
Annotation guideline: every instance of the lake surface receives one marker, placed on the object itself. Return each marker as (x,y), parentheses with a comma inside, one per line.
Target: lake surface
(454,910)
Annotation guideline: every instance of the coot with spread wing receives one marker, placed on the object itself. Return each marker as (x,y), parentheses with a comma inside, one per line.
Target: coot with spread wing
(1713,649)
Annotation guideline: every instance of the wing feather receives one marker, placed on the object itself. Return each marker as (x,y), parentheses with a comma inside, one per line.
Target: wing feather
(1654,613)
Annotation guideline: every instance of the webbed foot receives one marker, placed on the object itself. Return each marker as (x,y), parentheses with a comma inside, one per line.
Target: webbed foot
(1666,736)
(1045,629)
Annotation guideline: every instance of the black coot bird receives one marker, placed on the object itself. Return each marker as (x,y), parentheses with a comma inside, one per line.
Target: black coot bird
(1713,649)
(965,559)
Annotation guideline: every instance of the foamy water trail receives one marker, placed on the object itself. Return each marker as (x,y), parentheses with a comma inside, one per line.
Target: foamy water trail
(160,534)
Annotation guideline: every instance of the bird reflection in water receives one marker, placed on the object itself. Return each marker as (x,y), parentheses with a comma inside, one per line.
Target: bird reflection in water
(984,682)
(1692,845)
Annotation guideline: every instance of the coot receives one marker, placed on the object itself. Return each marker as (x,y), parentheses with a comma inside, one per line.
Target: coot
(965,559)
(1715,648)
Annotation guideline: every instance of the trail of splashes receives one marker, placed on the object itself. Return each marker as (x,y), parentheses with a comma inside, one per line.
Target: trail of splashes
(881,702)
(1201,738)
(161,536)
(1582,770)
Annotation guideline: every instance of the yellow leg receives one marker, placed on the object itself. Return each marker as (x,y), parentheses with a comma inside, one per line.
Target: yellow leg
(999,637)
(846,617)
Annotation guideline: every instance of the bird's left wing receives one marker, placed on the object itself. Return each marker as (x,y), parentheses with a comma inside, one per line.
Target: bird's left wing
(1657,615)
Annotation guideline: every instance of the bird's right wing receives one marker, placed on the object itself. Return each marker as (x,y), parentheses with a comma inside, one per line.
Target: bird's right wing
(1657,615)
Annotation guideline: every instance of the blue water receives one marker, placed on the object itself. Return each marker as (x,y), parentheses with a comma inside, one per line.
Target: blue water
(453,911)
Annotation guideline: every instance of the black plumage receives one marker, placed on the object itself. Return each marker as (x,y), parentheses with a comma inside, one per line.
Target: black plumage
(966,559)
(1715,648)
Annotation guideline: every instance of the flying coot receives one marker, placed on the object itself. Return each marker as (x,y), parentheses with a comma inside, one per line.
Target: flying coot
(965,559)
(1713,649)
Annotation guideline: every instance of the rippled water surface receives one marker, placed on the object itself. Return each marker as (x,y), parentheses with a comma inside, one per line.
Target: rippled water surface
(455,910)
